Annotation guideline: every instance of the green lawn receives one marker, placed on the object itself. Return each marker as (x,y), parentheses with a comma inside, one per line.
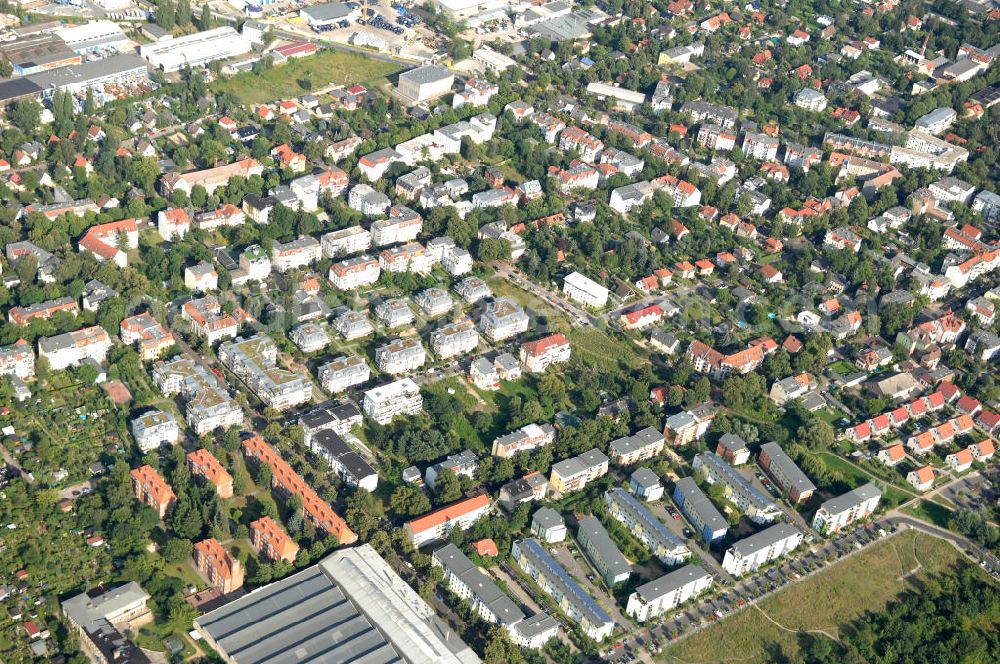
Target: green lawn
(827,601)
(931,512)
(595,346)
(316,72)
(854,476)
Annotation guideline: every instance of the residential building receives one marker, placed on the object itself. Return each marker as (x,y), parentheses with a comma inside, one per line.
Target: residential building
(154,429)
(503,319)
(538,355)
(578,606)
(645,484)
(403,225)
(271,542)
(298,253)
(222,569)
(401,397)
(788,476)
(150,338)
(424,83)
(462,464)
(642,445)
(650,531)
(42,310)
(173,223)
(352,469)
(208,320)
(100,620)
(400,356)
(201,278)
(528,437)
(454,339)
(346,241)
(17,359)
(733,449)
(309,337)
(254,361)
(289,483)
(434,302)
(653,599)
(72,348)
(548,525)
(751,553)
(527,489)
(484,374)
(394,313)
(205,467)
(843,510)
(602,552)
(356,272)
(700,511)
(150,489)
(353,325)
(584,290)
(738,489)
(368,201)
(573,474)
(436,525)
(208,405)
(337,416)
(921,479)
(111,241)
(344,372)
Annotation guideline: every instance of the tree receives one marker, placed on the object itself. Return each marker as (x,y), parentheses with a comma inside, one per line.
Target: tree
(815,434)
(26,114)
(409,500)
(177,550)
(447,487)
(6,69)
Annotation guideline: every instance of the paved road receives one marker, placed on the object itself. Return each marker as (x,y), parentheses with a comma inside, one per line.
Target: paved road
(575,313)
(76,490)
(11,461)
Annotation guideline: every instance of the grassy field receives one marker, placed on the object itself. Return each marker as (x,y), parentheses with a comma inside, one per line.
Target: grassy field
(856,477)
(931,512)
(304,75)
(827,601)
(598,347)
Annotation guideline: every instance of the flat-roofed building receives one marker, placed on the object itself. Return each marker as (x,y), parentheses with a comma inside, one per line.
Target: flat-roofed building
(424,83)
(843,510)
(584,290)
(653,599)
(602,552)
(254,360)
(154,429)
(346,241)
(208,405)
(649,530)
(355,272)
(344,372)
(378,618)
(699,510)
(750,553)
(195,49)
(401,397)
(436,525)
(788,476)
(99,621)
(578,606)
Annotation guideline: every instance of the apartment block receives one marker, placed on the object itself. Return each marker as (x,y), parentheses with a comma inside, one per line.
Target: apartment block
(150,338)
(254,360)
(72,348)
(150,489)
(578,606)
(788,476)
(42,310)
(649,530)
(299,253)
(208,405)
(750,553)
(584,290)
(271,542)
(571,475)
(348,464)
(154,429)
(17,359)
(401,397)
(653,599)
(602,552)
(528,437)
(355,272)
(205,467)
(400,356)
(344,372)
(436,525)
(223,570)
(738,489)
(454,339)
(699,510)
(340,417)
(346,241)
(539,355)
(208,320)
(503,319)
(843,510)
(644,444)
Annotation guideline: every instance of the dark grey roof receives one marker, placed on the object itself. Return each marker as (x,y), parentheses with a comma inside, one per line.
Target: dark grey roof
(698,507)
(305,617)
(481,586)
(846,501)
(609,560)
(792,473)
(15,88)
(670,582)
(762,540)
(645,478)
(546,517)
